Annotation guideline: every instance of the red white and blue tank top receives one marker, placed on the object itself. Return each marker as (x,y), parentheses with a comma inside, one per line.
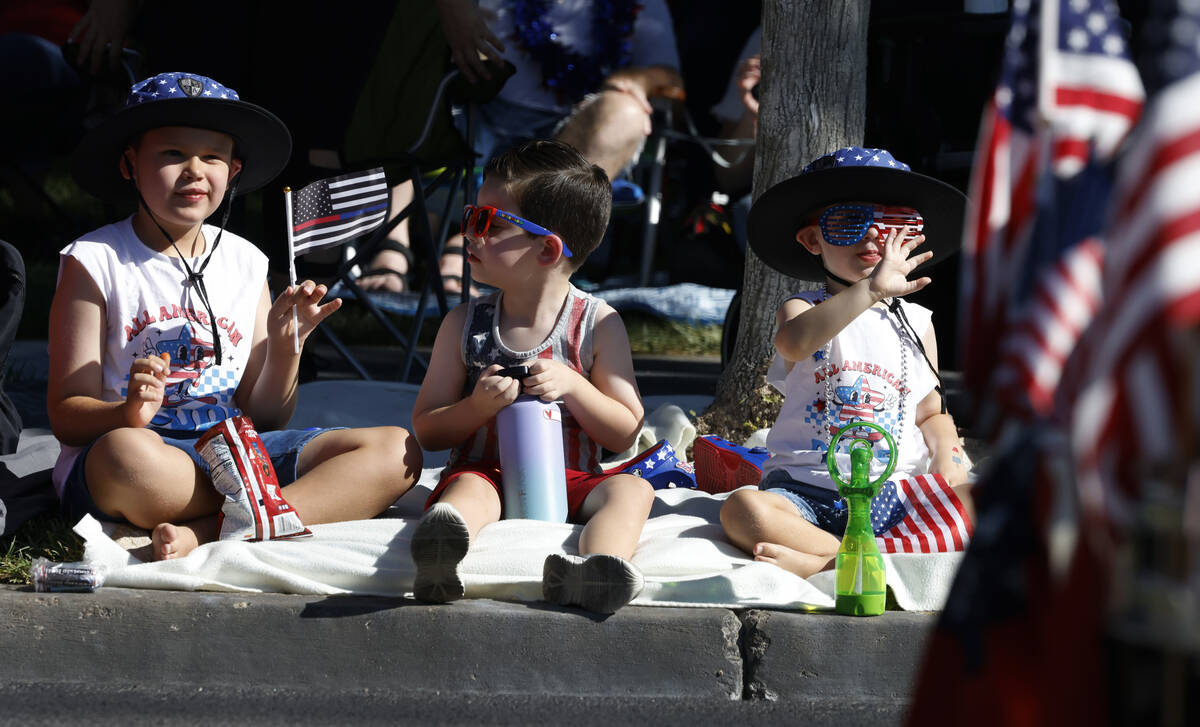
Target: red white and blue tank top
(570,343)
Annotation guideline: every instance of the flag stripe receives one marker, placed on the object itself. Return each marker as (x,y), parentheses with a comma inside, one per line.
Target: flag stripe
(331,236)
(1122,105)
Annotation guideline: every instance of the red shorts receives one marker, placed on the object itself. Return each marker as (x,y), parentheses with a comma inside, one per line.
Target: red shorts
(579,484)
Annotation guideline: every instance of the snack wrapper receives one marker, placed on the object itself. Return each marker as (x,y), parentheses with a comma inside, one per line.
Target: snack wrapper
(254,507)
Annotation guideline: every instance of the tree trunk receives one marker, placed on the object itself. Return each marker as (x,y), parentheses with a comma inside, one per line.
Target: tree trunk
(813,98)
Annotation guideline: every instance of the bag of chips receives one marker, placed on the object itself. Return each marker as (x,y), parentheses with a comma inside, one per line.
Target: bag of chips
(254,507)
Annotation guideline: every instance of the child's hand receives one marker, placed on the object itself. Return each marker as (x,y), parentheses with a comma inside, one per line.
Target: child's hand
(889,279)
(146,388)
(493,392)
(550,380)
(309,312)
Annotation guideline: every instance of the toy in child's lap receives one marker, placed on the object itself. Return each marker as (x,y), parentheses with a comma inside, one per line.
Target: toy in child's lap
(861,583)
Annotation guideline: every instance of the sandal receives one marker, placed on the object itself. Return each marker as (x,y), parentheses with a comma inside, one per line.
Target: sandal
(404,276)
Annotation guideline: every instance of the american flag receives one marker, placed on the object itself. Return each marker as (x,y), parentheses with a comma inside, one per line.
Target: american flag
(1136,392)
(1066,97)
(935,520)
(331,211)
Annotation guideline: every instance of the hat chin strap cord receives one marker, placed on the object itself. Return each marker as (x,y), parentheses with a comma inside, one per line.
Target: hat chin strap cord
(895,309)
(195,277)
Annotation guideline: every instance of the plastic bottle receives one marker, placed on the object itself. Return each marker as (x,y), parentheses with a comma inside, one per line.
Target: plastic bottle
(532,464)
(48,575)
(861,579)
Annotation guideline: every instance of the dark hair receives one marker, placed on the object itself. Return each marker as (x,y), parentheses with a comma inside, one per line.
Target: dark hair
(559,189)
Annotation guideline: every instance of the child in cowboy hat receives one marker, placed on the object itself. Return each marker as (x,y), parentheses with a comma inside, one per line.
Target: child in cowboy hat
(162,326)
(854,220)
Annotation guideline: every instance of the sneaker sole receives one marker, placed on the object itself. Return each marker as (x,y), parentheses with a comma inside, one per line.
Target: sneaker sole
(438,546)
(602,583)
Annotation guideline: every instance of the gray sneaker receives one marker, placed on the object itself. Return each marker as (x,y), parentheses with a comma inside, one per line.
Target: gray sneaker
(599,583)
(438,545)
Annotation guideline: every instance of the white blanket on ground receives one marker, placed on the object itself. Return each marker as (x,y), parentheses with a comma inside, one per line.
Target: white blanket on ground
(683,554)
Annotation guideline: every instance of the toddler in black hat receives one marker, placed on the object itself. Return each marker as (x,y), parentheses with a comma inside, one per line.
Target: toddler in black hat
(852,351)
(162,326)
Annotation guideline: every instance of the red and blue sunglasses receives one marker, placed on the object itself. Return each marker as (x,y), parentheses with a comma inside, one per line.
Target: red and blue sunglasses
(477,220)
(847,224)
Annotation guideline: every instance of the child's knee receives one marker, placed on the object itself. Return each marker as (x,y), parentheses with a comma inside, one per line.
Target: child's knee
(122,453)
(633,490)
(399,443)
(741,507)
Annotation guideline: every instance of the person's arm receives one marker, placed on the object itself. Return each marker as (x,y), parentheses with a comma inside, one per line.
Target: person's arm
(267,391)
(645,81)
(946,453)
(802,328)
(607,405)
(800,334)
(442,418)
(75,379)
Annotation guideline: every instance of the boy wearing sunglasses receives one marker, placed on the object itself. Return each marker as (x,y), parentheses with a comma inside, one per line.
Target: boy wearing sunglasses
(542,209)
(864,224)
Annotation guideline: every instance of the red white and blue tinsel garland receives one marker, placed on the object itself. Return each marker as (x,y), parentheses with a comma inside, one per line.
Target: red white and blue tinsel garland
(571,75)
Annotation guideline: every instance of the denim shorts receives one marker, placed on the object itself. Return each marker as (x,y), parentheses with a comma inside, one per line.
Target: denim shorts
(826,509)
(283,447)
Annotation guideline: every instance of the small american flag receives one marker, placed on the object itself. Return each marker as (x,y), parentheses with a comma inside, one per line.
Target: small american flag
(935,520)
(334,210)
(1066,98)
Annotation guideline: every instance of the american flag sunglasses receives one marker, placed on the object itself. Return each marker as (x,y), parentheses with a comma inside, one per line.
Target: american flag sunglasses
(847,224)
(477,220)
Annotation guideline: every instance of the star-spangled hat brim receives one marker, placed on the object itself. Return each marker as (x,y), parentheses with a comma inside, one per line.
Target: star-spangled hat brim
(782,210)
(261,140)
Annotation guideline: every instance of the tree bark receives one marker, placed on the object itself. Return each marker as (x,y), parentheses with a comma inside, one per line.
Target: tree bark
(813,98)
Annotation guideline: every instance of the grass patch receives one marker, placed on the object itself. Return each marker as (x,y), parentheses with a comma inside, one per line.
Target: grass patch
(46,536)
(648,334)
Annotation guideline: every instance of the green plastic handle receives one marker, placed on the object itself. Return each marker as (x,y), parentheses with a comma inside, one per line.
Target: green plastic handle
(859,465)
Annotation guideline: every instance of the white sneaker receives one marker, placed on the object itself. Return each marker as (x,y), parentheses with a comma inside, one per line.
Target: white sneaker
(599,583)
(438,545)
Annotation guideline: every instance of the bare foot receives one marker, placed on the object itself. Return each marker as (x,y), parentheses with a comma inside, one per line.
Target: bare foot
(172,541)
(793,561)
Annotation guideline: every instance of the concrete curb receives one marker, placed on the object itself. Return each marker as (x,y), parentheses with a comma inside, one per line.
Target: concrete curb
(124,636)
(130,637)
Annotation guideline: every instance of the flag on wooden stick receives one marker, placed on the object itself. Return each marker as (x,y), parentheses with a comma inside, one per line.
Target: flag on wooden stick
(334,210)
(330,212)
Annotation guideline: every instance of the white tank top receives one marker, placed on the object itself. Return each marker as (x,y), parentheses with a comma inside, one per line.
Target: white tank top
(868,372)
(151,309)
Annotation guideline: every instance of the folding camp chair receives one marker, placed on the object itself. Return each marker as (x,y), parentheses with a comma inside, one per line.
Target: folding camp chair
(455,176)
(431,154)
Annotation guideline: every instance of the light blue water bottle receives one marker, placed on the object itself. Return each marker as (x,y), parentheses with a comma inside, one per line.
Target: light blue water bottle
(532,466)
